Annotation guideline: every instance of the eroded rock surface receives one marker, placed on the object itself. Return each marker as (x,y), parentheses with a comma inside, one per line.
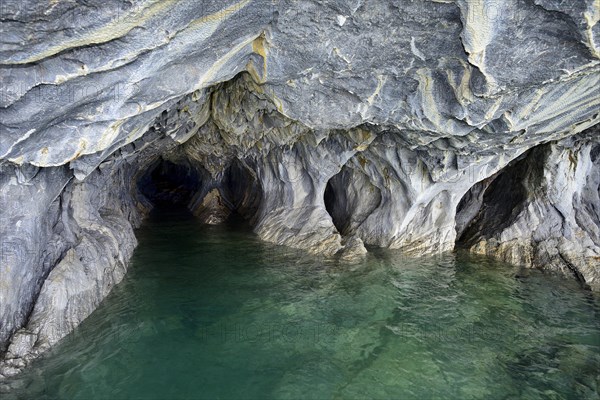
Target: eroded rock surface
(327,125)
(543,211)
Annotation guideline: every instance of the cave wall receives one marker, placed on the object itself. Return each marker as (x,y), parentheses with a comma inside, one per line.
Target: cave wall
(542,211)
(73,248)
(401,124)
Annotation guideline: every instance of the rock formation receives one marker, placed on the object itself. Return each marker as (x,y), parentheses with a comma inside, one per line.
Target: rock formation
(328,125)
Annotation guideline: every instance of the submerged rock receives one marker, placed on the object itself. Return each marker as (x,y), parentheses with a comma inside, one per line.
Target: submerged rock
(327,125)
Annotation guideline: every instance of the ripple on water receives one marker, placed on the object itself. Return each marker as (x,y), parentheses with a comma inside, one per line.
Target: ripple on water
(211,312)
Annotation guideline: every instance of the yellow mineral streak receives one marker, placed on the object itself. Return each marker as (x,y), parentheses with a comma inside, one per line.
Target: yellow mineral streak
(80,149)
(117,28)
(532,105)
(428,103)
(109,135)
(592,16)
(259,47)
(219,16)
(380,81)
(489,115)
(122,26)
(463,92)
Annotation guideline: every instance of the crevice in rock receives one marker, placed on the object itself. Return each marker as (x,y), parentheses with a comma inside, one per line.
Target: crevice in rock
(331,205)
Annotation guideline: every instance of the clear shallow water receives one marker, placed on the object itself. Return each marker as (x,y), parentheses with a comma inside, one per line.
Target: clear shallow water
(211,312)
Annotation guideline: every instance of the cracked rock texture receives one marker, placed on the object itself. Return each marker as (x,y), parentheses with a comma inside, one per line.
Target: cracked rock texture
(328,125)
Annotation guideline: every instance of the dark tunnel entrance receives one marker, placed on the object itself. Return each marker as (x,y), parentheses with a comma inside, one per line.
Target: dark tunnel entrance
(491,205)
(242,190)
(331,198)
(181,185)
(167,184)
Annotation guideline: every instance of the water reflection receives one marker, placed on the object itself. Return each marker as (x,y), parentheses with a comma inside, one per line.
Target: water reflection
(211,312)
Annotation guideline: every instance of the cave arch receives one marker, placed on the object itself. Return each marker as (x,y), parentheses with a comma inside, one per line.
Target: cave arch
(173,181)
(167,183)
(350,198)
(243,190)
(491,204)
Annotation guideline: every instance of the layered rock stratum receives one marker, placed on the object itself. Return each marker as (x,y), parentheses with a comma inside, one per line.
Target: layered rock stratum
(329,125)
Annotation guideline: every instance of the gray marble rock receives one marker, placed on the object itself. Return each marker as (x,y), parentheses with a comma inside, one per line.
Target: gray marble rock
(328,125)
(543,210)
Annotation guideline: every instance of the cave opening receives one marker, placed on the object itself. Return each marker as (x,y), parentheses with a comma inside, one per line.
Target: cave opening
(350,198)
(183,185)
(332,197)
(493,203)
(242,191)
(167,184)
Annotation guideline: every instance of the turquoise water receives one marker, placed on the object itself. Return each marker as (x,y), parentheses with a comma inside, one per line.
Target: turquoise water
(211,312)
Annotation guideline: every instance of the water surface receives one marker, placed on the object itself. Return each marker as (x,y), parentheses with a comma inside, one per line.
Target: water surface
(211,312)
